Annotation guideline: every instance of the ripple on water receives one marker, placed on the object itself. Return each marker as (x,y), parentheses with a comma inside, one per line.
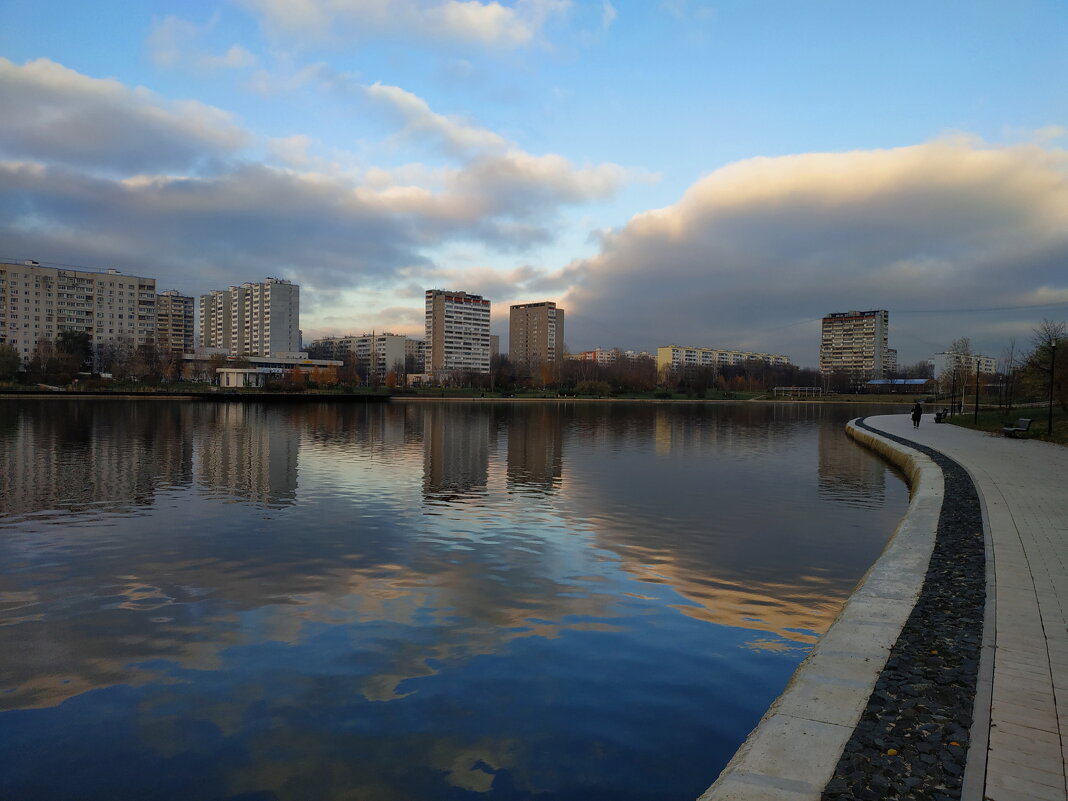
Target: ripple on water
(414,600)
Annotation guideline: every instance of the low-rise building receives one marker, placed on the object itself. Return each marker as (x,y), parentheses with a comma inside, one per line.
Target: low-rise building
(210,364)
(948,361)
(607,355)
(672,356)
(377,354)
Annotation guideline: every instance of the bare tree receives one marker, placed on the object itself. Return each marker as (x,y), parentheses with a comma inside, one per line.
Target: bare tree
(1046,364)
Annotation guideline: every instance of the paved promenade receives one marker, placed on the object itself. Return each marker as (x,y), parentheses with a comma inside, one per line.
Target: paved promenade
(1020,738)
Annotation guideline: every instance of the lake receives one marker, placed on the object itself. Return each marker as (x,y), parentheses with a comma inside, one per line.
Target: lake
(415,600)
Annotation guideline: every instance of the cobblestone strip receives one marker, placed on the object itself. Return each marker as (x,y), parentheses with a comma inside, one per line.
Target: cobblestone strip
(912,739)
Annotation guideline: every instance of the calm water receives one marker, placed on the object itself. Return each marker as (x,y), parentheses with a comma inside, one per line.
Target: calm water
(416,601)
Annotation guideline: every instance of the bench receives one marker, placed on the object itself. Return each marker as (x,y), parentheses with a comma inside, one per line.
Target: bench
(1021,426)
(940,417)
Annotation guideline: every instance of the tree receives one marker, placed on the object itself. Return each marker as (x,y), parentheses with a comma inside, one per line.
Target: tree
(9,362)
(294,378)
(597,388)
(77,344)
(1046,369)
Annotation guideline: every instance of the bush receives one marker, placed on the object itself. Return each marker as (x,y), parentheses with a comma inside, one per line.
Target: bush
(597,388)
(663,394)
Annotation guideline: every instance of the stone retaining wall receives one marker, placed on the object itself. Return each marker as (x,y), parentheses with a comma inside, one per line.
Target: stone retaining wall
(793,751)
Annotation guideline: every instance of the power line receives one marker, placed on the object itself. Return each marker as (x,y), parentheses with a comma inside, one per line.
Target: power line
(980,309)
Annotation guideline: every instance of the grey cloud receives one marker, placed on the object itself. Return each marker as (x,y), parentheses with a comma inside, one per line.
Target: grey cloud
(198,232)
(756,252)
(192,232)
(55,114)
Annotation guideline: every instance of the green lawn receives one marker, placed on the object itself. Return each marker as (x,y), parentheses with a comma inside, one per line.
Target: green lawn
(994,420)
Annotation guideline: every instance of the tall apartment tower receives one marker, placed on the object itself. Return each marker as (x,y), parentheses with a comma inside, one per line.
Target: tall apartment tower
(39,303)
(457,332)
(174,323)
(855,342)
(536,334)
(252,319)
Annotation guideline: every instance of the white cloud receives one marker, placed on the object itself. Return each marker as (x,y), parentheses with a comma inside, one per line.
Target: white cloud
(456,136)
(760,244)
(490,24)
(608,14)
(56,114)
(175,42)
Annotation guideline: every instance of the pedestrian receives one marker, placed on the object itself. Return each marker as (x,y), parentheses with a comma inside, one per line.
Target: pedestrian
(917,413)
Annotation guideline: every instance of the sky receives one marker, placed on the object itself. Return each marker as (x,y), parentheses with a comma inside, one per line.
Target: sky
(718,174)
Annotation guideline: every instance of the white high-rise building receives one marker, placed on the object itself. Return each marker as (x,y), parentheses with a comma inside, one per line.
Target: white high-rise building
(252,319)
(39,303)
(457,332)
(855,342)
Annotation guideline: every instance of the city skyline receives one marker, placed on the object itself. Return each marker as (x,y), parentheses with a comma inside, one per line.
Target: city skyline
(667,172)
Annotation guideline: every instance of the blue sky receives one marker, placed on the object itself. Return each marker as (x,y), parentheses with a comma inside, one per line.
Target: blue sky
(672,172)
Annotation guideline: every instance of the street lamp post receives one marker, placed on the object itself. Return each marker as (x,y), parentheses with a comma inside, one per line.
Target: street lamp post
(975,412)
(1052,367)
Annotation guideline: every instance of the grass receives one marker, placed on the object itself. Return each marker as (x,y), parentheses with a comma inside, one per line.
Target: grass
(994,420)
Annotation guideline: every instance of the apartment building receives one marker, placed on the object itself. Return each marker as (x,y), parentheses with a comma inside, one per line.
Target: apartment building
(607,355)
(414,355)
(535,334)
(671,356)
(254,319)
(457,332)
(948,361)
(378,353)
(175,330)
(855,342)
(38,303)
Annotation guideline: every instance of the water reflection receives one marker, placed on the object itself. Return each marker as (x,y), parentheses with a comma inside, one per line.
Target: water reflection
(424,600)
(245,451)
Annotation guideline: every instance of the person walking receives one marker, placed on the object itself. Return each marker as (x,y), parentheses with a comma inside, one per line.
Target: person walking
(917,413)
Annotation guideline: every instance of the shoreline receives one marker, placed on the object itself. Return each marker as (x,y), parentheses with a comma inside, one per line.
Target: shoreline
(258,397)
(793,751)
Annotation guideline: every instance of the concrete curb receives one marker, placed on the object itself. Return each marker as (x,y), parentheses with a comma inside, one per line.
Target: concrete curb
(793,751)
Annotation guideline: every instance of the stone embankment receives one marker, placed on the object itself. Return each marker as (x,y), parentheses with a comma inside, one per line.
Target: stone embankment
(882,706)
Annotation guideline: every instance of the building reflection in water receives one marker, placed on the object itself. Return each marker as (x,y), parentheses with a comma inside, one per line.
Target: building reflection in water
(462,566)
(535,447)
(73,456)
(847,473)
(249,451)
(457,446)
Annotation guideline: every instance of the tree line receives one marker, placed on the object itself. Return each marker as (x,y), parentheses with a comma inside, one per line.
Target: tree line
(1030,373)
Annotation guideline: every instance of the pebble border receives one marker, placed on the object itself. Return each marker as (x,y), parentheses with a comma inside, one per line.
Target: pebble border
(912,739)
(792,753)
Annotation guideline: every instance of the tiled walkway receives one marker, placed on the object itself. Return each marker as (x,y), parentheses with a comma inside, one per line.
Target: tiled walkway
(1024,489)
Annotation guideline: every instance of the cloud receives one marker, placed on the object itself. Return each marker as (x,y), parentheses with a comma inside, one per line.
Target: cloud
(174,42)
(102,175)
(488,24)
(456,137)
(55,114)
(608,14)
(756,246)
